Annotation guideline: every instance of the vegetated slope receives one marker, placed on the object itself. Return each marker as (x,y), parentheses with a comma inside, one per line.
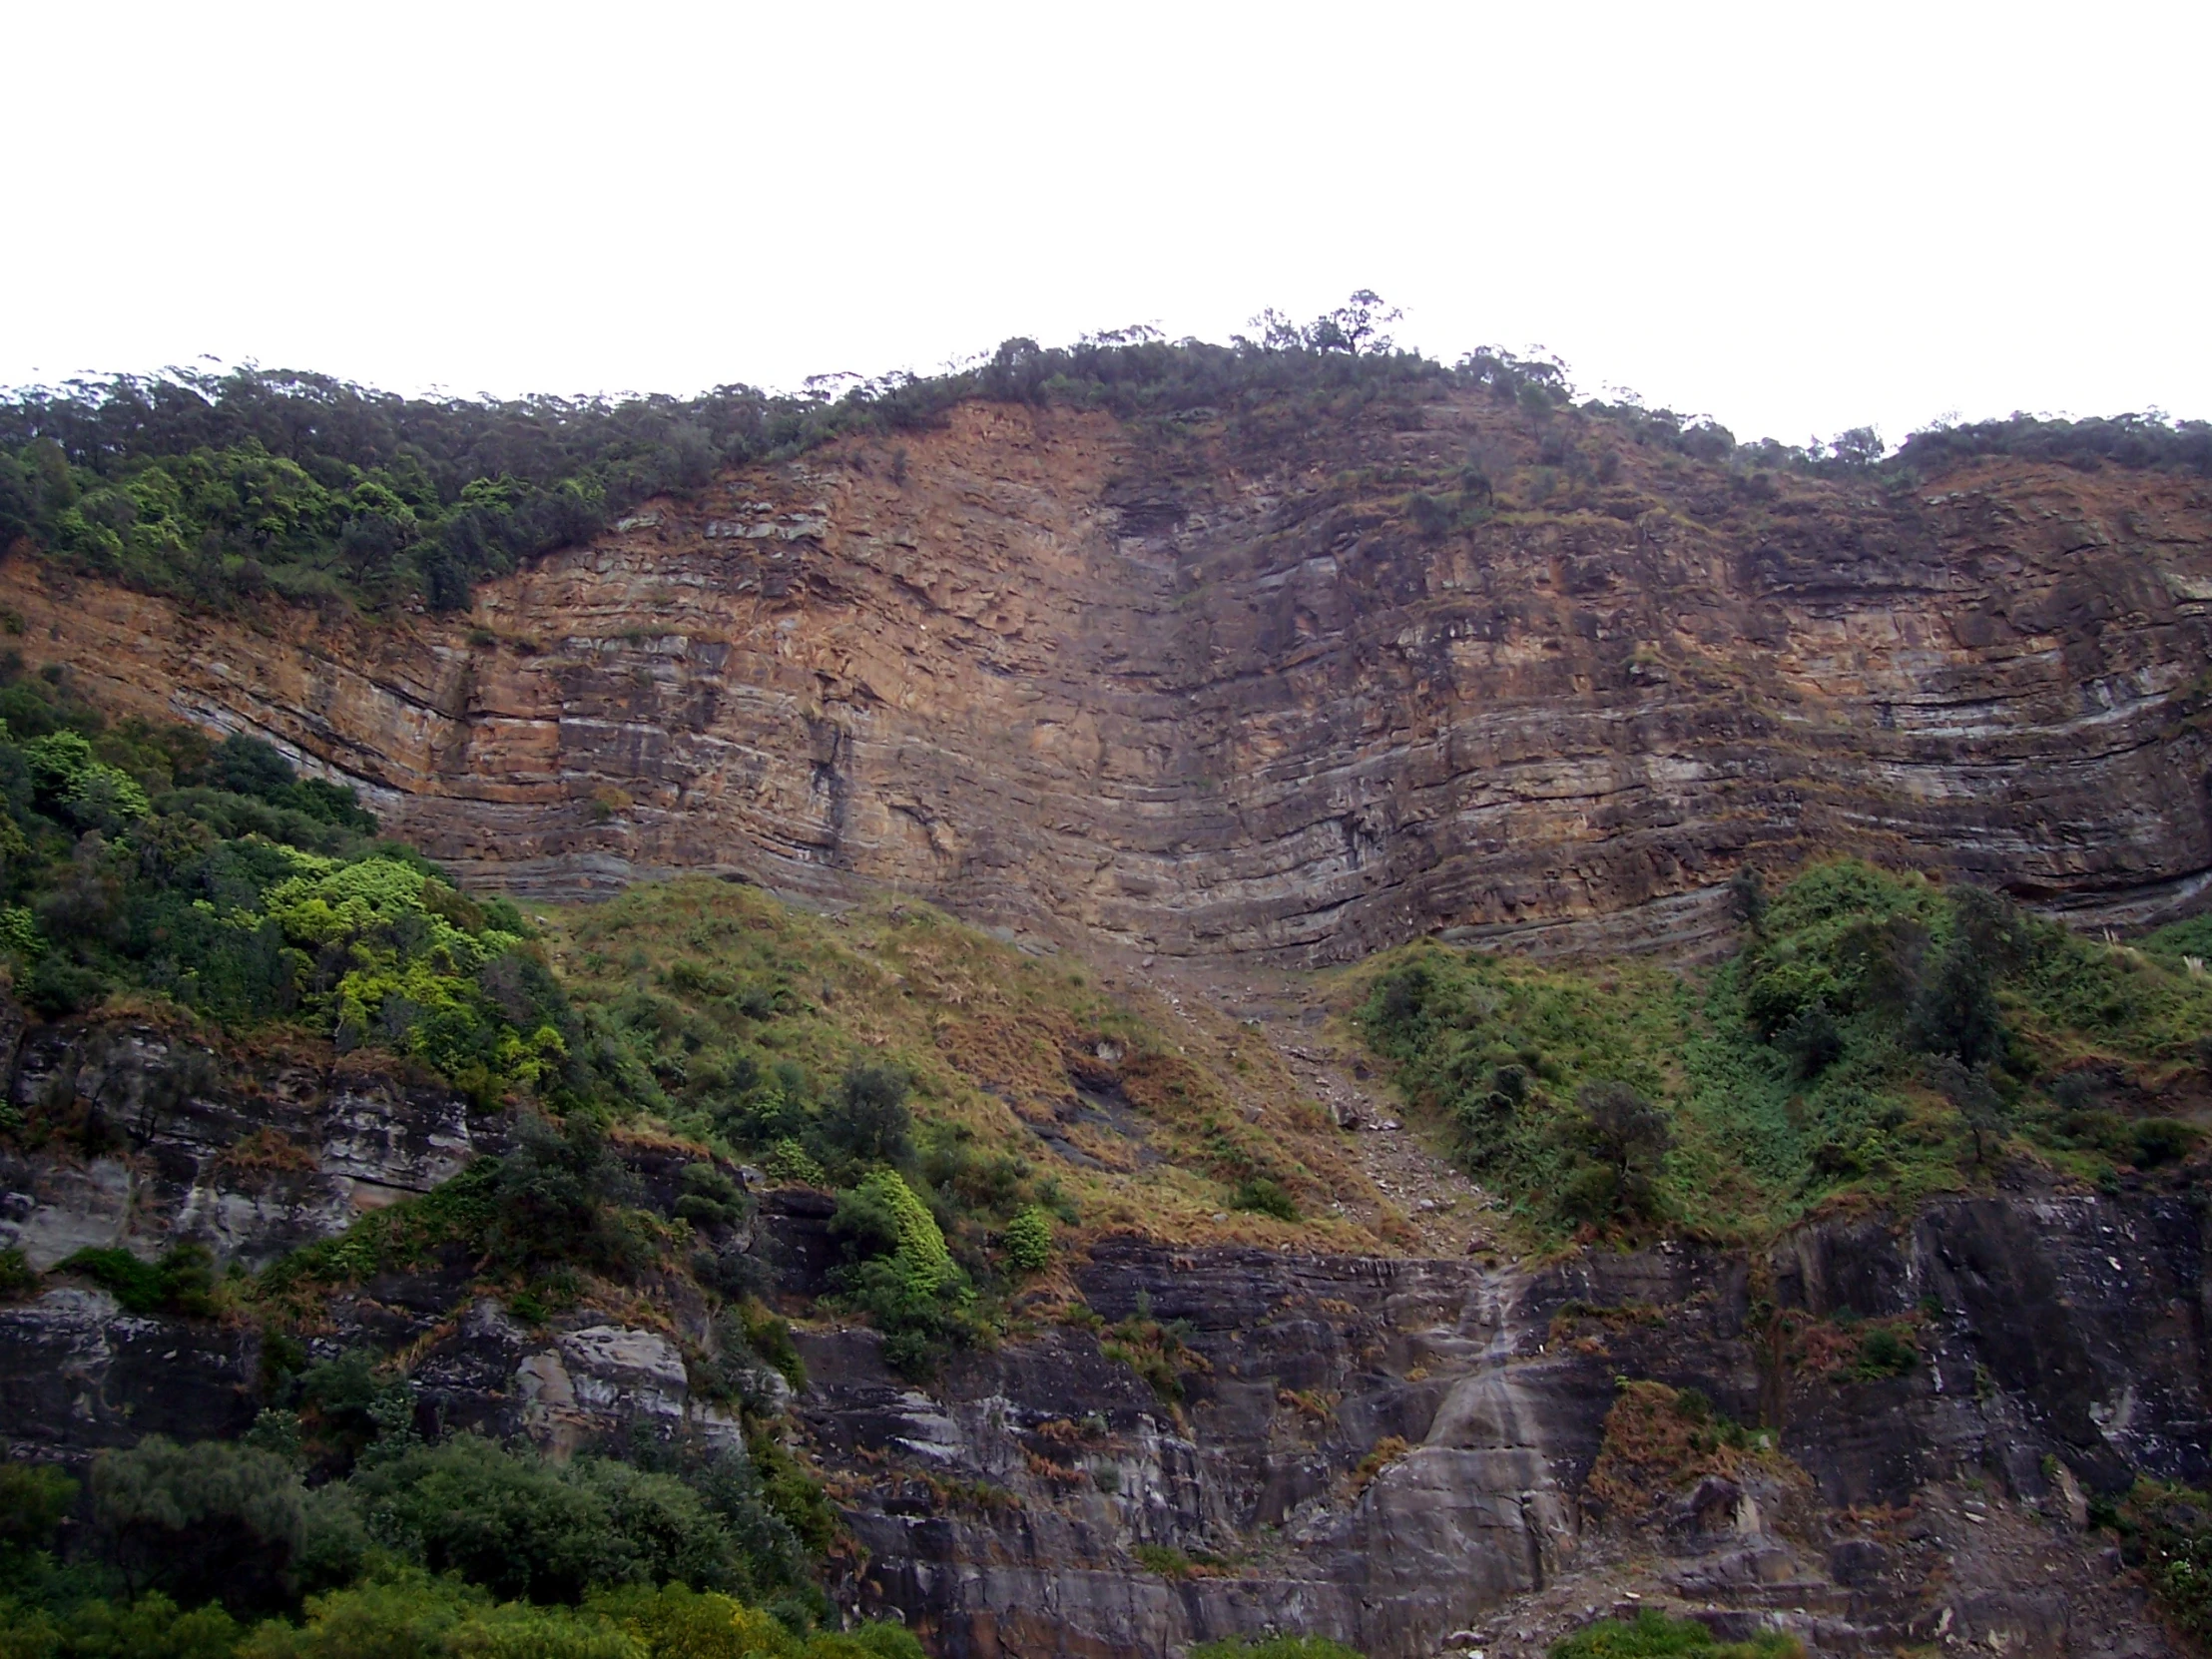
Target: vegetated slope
(1031,1079)
(200,930)
(1296,680)
(1877,1039)
(763,1216)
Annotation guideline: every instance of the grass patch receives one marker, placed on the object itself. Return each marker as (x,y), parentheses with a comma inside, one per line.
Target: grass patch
(1875,1035)
(1652,1636)
(753,1019)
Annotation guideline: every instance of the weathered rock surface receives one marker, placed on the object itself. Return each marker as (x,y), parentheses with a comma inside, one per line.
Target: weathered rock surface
(1384,1451)
(140,1137)
(1213,694)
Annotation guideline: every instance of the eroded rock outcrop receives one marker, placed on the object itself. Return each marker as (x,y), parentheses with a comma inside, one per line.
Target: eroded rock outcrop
(139,1136)
(1215,695)
(1388,1450)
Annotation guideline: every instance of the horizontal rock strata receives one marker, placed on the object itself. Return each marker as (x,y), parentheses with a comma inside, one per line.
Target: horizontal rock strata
(1213,695)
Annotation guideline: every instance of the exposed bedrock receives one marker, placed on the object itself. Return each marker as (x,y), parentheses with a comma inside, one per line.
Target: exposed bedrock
(1386,1451)
(1204,696)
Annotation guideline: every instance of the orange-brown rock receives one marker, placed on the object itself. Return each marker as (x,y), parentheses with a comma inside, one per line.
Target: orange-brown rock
(1212,691)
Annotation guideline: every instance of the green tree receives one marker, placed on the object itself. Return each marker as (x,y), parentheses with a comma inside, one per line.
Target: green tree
(208,1521)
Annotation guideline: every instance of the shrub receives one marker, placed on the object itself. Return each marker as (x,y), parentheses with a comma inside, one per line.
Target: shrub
(790,1164)
(1881,1352)
(521,1527)
(868,1122)
(901,1277)
(34,1499)
(1652,1636)
(1625,1138)
(1028,1240)
(709,1198)
(202,1523)
(1273,1647)
(1262,1195)
(2162,1140)
(151,1626)
(2167,1532)
(180,1281)
(1811,1039)
(411,1616)
(349,1403)
(18,1279)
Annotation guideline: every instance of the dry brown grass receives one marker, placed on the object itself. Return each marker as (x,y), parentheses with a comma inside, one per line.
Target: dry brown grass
(1659,1441)
(1174,1106)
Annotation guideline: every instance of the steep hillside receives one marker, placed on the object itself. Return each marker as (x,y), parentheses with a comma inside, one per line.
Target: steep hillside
(840,1142)
(849,1263)
(1288,691)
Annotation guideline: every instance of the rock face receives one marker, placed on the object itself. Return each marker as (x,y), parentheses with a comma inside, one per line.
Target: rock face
(141,1138)
(2046,1372)
(1387,1452)
(1214,694)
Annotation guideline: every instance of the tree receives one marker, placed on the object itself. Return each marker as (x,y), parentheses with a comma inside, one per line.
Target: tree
(1353,329)
(1355,326)
(869,1122)
(203,1522)
(1975,1099)
(1956,1010)
(1624,1139)
(1857,450)
(1747,895)
(1028,1240)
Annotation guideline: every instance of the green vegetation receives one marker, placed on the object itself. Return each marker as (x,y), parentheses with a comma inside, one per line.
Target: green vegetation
(1275,1647)
(145,860)
(226,488)
(182,1282)
(2166,1531)
(1261,1196)
(413,1614)
(901,1273)
(820,1048)
(1652,1636)
(234,1533)
(1876,1034)
(1028,1240)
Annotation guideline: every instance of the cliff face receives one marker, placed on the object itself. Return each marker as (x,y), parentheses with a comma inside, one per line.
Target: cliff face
(1385,1451)
(1214,692)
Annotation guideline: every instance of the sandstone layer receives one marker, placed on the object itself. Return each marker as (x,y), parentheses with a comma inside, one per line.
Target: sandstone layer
(1212,693)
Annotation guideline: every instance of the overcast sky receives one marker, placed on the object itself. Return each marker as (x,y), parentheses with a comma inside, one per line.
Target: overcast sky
(1794,218)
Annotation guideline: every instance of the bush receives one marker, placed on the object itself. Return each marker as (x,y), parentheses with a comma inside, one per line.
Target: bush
(1625,1138)
(18,1279)
(868,1122)
(180,1281)
(2162,1140)
(709,1198)
(348,1405)
(33,1500)
(521,1527)
(901,1275)
(152,1626)
(1262,1195)
(200,1523)
(560,1197)
(1652,1636)
(415,1616)
(1811,1039)
(1881,1352)
(2166,1531)
(1028,1240)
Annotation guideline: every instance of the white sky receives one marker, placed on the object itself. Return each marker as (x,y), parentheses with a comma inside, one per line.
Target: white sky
(1794,217)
